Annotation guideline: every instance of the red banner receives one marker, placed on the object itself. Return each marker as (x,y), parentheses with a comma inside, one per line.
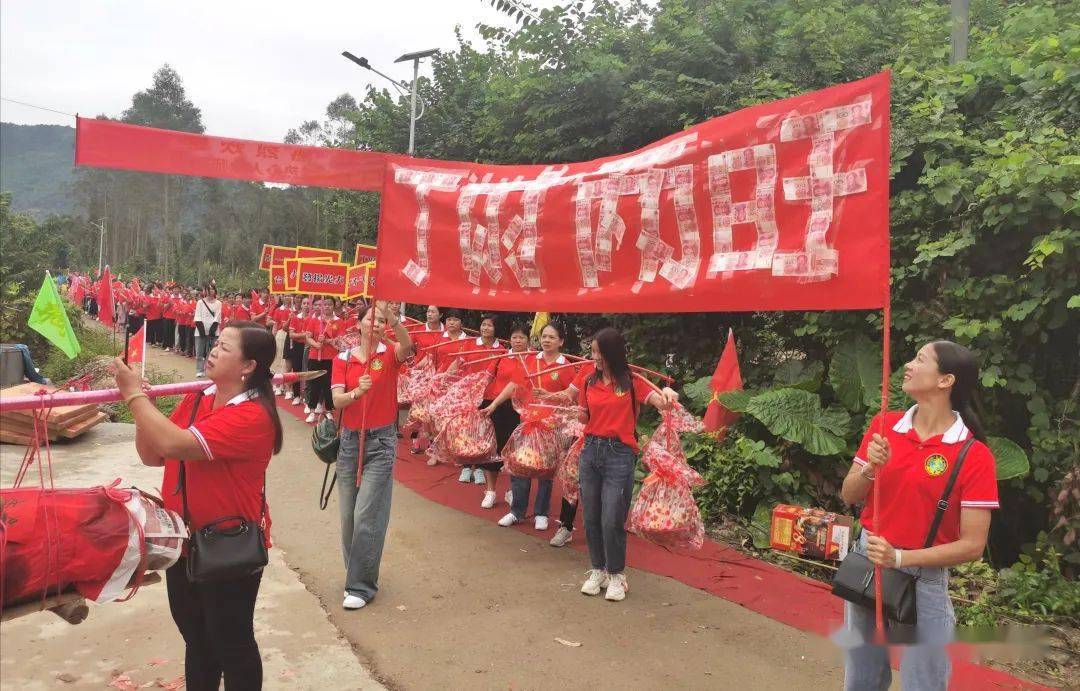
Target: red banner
(358,279)
(111,144)
(322,278)
(277,281)
(318,254)
(364,254)
(272,255)
(292,274)
(781,206)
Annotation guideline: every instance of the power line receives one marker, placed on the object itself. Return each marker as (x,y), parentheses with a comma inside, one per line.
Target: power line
(31,105)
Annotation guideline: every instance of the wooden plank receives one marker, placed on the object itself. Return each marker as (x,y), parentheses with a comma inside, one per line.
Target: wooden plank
(7,437)
(69,606)
(72,432)
(59,415)
(25,425)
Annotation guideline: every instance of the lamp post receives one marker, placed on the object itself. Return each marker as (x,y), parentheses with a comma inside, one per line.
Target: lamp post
(401,86)
(959,31)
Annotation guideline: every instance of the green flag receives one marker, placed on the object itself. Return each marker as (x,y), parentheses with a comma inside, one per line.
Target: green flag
(49,318)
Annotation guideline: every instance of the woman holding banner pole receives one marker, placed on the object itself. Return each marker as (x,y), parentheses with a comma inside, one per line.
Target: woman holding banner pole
(938,441)
(365,390)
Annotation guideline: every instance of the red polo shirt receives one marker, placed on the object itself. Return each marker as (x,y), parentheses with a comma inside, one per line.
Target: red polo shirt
(298,323)
(912,481)
(153,308)
(258,306)
(281,317)
(380,401)
(611,413)
(324,330)
(238,439)
(504,371)
(553,382)
(241,313)
(446,354)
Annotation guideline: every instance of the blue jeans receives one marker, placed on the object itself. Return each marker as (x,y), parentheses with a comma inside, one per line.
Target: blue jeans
(203,346)
(29,370)
(925,665)
(520,504)
(606,476)
(365,510)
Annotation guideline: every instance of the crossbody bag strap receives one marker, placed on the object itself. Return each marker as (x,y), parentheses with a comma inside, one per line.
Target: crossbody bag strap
(943,503)
(183,464)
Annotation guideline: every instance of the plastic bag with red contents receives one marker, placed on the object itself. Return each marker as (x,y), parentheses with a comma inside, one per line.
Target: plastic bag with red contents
(567,474)
(664,511)
(413,380)
(533,449)
(464,434)
(425,390)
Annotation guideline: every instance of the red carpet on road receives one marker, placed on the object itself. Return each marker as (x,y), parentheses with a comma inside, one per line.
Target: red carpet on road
(717,569)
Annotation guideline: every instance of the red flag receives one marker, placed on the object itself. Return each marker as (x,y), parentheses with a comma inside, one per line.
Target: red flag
(726,378)
(137,345)
(105,299)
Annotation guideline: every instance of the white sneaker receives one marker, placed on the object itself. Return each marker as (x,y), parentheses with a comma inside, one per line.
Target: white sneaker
(353,602)
(307,409)
(329,415)
(294,400)
(562,536)
(466,475)
(310,418)
(597,579)
(616,590)
(509,496)
(319,409)
(508,520)
(277,390)
(478,476)
(489,500)
(540,523)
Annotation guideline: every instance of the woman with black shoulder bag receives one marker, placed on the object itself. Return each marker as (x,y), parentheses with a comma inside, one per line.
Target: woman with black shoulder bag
(937,487)
(216,448)
(207,323)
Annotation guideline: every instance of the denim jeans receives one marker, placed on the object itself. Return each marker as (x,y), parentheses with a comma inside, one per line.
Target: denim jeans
(924,665)
(203,346)
(365,510)
(521,487)
(29,370)
(606,476)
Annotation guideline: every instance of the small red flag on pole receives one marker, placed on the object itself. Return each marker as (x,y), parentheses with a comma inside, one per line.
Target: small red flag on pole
(727,377)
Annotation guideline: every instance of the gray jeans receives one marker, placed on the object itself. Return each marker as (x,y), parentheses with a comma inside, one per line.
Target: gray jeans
(203,346)
(365,510)
(606,476)
(925,665)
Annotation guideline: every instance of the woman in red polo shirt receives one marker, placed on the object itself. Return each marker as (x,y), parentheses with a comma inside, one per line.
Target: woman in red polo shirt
(322,328)
(364,383)
(297,335)
(611,397)
(912,455)
(225,436)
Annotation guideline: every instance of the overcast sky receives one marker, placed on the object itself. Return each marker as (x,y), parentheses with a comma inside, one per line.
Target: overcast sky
(255,69)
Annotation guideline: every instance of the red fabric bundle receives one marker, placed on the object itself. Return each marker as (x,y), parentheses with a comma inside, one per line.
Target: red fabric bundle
(567,474)
(533,449)
(464,434)
(94,540)
(664,511)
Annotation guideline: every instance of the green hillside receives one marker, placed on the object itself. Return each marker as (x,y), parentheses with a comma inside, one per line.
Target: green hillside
(36,166)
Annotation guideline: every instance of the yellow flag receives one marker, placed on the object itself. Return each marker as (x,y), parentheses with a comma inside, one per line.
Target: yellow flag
(49,318)
(539,322)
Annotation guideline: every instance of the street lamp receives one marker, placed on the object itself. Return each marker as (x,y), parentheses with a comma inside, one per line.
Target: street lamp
(401,86)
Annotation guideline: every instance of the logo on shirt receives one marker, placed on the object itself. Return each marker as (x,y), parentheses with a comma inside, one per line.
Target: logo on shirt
(376,365)
(554,376)
(620,393)
(935,465)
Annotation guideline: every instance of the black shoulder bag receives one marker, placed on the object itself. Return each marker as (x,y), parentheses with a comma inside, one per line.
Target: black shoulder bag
(325,442)
(228,548)
(201,328)
(854,581)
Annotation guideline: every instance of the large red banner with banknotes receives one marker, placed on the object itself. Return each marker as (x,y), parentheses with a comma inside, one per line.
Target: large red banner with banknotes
(780,206)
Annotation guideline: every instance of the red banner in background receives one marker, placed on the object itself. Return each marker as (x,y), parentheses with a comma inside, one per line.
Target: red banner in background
(364,254)
(318,254)
(357,281)
(277,281)
(780,206)
(274,254)
(292,274)
(111,144)
(322,278)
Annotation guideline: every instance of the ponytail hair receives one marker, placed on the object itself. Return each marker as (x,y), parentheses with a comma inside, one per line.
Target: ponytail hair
(955,359)
(257,344)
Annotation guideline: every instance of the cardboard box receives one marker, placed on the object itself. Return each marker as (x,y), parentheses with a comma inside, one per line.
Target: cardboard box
(813,533)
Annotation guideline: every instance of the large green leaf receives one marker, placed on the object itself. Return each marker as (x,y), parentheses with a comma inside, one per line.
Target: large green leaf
(761,526)
(1010,459)
(736,401)
(799,374)
(797,416)
(699,393)
(855,373)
